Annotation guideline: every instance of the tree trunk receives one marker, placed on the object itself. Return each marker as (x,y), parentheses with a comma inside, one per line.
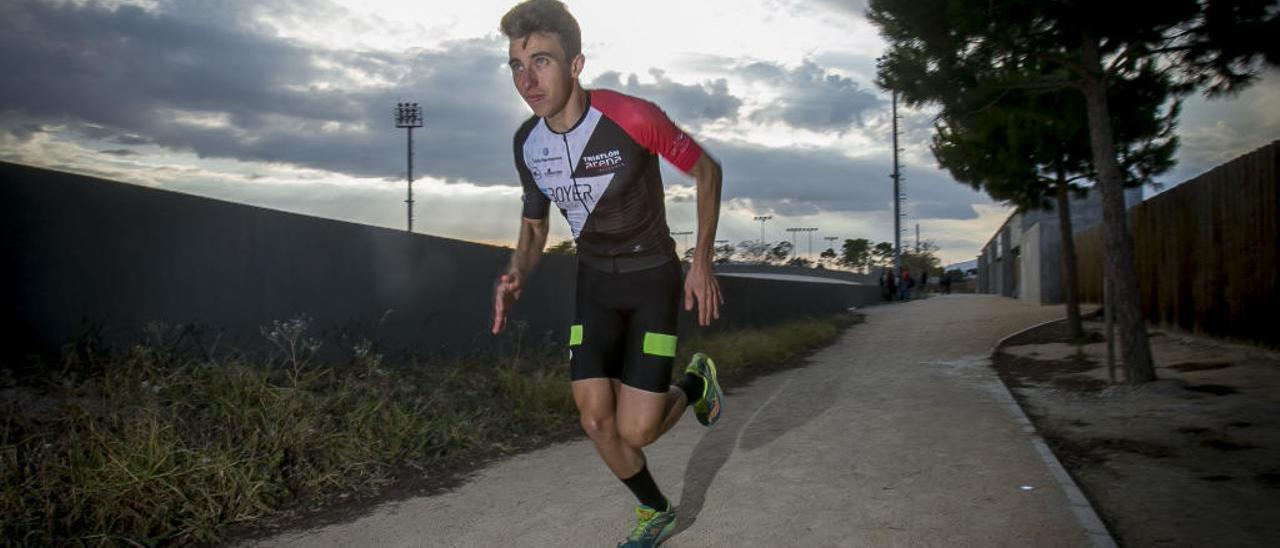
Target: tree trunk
(1070,289)
(1135,348)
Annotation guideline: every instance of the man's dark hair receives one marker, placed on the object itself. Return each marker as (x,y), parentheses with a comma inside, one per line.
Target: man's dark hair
(550,16)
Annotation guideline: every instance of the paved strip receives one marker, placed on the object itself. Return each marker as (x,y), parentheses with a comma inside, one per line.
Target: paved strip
(1080,506)
(897,435)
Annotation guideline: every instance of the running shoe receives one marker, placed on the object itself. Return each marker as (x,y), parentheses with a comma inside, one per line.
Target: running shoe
(652,527)
(707,408)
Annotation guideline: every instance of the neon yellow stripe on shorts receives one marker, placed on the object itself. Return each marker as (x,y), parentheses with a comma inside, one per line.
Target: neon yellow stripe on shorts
(658,344)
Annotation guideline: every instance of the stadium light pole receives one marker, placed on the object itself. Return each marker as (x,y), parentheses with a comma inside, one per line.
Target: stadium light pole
(762,219)
(810,230)
(409,116)
(793,230)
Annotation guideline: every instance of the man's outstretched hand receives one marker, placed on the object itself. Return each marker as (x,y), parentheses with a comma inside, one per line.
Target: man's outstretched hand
(505,294)
(700,284)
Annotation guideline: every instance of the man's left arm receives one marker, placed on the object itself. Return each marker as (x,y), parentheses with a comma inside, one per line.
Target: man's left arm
(700,283)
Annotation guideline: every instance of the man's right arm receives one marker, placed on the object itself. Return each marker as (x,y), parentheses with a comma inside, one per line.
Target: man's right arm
(529,246)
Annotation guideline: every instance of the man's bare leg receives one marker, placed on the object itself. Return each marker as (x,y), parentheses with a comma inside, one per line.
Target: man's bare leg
(676,404)
(597,408)
(643,416)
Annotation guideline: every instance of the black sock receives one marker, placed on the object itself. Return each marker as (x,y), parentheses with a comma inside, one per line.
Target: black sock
(644,488)
(692,385)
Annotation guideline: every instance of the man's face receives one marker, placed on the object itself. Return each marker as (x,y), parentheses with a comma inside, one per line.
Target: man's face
(541,73)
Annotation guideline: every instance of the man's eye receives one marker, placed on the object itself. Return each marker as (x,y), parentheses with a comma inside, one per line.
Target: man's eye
(541,62)
(516,68)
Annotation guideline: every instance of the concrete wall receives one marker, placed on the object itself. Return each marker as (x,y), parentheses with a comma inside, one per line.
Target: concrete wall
(1040,282)
(1050,249)
(89,256)
(1008,263)
(984,277)
(1029,277)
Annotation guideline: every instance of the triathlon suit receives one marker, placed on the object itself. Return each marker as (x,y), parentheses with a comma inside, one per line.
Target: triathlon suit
(603,175)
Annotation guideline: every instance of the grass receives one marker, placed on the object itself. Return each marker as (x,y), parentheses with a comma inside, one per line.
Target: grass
(151,446)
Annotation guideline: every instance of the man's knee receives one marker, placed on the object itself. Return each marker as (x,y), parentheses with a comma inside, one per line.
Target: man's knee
(637,435)
(599,428)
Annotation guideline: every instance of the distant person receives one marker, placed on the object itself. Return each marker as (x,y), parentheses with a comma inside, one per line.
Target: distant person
(946,283)
(887,285)
(905,285)
(578,144)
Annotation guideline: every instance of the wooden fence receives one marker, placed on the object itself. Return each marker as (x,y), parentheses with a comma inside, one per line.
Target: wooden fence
(1207,251)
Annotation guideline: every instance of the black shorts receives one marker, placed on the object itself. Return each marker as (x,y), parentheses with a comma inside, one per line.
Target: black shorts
(625,325)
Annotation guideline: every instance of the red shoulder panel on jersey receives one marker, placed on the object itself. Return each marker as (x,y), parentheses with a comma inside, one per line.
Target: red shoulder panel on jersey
(648,125)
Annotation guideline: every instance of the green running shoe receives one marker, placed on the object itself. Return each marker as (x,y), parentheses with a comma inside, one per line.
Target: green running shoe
(652,527)
(707,408)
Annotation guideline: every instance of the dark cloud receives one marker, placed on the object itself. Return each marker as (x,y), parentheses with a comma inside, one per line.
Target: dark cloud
(119,152)
(119,74)
(125,75)
(803,181)
(812,97)
(684,102)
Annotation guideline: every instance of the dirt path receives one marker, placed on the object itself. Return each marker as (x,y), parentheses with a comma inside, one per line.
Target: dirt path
(897,435)
(1192,459)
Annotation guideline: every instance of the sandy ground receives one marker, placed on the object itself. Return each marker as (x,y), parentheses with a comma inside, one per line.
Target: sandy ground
(1192,459)
(899,434)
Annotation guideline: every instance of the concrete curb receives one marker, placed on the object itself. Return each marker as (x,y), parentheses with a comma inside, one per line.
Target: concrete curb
(1080,505)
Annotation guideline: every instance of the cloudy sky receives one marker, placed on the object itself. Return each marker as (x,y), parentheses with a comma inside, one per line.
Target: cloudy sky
(287,104)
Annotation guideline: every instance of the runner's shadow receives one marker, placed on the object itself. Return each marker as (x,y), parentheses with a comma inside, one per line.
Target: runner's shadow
(711,453)
(785,405)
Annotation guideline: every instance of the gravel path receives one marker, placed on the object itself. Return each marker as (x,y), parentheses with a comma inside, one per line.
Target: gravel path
(896,435)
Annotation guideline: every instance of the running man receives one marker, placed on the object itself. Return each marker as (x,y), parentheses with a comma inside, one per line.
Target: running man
(594,154)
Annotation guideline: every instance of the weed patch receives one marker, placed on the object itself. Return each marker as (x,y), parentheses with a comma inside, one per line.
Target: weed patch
(152,447)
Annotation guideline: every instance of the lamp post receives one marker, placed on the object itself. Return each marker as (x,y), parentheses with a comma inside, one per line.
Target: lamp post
(897,194)
(831,244)
(762,219)
(810,230)
(897,183)
(793,230)
(409,116)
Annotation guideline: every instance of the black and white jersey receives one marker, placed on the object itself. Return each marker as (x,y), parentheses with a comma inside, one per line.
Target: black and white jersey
(603,174)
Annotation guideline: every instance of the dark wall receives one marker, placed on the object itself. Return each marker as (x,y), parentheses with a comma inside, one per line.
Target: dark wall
(1207,252)
(87,255)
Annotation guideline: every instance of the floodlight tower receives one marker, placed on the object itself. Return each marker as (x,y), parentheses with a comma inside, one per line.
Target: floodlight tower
(794,245)
(762,219)
(810,230)
(409,116)
(831,241)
